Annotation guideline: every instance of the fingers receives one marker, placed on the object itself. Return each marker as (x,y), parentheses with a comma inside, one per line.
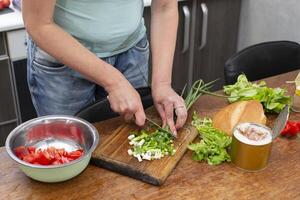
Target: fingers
(162,114)
(169,110)
(181,117)
(140,117)
(128,107)
(128,117)
(181,113)
(135,112)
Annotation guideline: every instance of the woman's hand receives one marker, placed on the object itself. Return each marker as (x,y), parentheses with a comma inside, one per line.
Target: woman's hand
(126,101)
(166,100)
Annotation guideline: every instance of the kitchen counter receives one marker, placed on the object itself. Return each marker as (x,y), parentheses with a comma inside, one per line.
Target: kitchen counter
(14,20)
(11,21)
(148,2)
(189,180)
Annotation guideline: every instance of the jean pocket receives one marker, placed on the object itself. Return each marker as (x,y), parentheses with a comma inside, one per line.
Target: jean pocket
(46,62)
(142,45)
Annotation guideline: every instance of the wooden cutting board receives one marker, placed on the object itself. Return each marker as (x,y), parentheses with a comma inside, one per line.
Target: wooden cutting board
(111,152)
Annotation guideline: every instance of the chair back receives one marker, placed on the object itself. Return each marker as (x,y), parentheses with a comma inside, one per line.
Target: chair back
(263,60)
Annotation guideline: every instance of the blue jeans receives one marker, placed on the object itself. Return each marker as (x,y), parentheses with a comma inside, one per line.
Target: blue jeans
(58,89)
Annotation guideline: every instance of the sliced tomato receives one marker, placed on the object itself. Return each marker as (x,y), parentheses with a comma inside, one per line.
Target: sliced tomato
(74,154)
(21,151)
(30,158)
(43,158)
(62,152)
(31,149)
(49,156)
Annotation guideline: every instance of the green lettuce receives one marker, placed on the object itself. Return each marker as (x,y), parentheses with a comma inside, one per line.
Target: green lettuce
(213,144)
(272,99)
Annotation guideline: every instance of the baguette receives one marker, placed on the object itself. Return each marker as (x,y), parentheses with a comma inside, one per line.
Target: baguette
(243,111)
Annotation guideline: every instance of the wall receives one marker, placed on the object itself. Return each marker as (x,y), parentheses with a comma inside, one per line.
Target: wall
(266,20)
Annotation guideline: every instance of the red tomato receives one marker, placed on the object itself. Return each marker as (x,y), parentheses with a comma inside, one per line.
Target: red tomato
(31,149)
(4,3)
(49,156)
(291,129)
(21,151)
(30,158)
(62,152)
(43,158)
(74,154)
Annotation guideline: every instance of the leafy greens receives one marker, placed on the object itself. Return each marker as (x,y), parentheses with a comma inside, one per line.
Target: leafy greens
(158,143)
(273,99)
(212,147)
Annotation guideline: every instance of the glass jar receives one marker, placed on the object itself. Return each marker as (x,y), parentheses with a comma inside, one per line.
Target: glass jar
(296,99)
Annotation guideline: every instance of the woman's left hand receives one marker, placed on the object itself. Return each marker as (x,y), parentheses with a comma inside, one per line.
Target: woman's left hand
(166,100)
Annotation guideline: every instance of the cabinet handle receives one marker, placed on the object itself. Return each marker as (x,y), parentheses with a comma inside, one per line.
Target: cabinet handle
(186,36)
(204,25)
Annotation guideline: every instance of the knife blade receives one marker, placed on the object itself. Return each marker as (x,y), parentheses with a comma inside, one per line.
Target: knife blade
(280,121)
(160,127)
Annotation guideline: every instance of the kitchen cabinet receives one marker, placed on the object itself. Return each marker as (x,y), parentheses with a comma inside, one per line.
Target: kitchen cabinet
(206,38)
(182,51)
(147,21)
(180,75)
(2,45)
(26,109)
(7,109)
(16,41)
(5,129)
(216,35)
(8,116)
(15,104)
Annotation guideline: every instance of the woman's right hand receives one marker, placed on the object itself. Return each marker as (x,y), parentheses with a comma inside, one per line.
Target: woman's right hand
(126,101)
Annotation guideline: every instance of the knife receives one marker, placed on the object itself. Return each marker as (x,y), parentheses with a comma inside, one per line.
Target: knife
(100,110)
(280,121)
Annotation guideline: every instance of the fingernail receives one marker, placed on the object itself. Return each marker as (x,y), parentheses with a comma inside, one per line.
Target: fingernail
(175,134)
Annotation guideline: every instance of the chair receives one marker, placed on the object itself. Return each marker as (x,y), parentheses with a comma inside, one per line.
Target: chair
(100,110)
(263,60)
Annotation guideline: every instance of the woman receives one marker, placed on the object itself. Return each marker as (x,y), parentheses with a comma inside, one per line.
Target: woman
(78,49)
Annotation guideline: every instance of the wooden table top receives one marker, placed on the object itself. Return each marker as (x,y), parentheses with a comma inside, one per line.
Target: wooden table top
(189,180)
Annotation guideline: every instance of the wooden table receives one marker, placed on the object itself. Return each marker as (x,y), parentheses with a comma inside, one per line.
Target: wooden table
(189,180)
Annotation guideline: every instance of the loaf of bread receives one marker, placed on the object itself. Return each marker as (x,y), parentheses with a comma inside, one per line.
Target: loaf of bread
(243,111)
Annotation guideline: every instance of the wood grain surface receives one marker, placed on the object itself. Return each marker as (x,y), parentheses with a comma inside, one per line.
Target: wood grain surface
(189,180)
(111,152)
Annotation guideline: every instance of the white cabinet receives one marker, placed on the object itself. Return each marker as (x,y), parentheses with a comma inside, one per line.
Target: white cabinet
(16,41)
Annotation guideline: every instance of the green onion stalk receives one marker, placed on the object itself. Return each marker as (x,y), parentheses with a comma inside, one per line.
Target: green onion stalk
(151,145)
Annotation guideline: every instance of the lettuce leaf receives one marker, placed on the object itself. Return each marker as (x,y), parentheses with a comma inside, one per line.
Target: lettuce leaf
(212,147)
(272,99)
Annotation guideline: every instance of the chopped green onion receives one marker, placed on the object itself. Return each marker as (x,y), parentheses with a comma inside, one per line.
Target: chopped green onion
(159,143)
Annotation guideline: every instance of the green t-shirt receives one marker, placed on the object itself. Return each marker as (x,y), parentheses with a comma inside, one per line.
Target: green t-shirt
(106,27)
